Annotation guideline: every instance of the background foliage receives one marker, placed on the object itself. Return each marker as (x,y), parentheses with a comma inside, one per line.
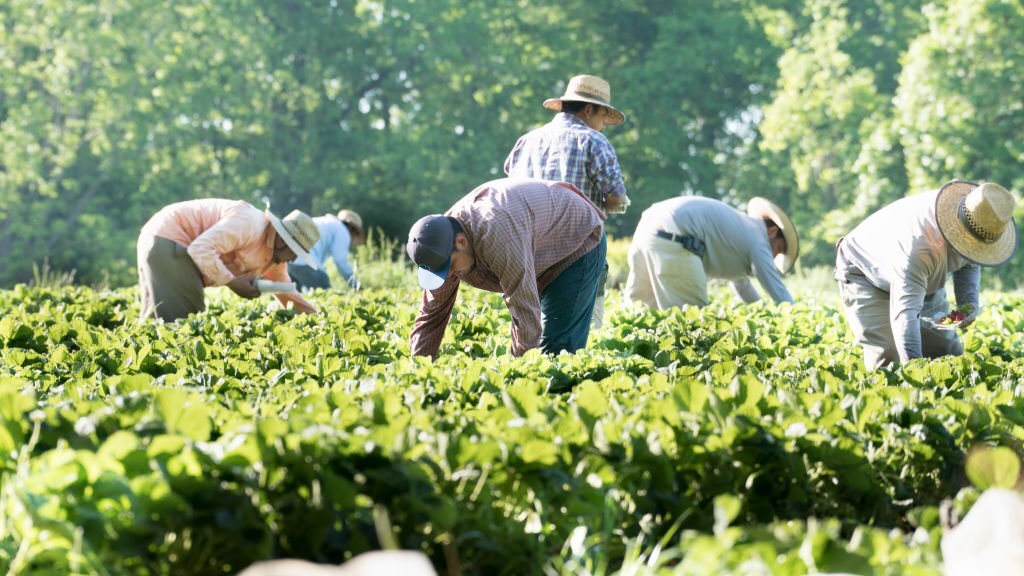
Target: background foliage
(111,109)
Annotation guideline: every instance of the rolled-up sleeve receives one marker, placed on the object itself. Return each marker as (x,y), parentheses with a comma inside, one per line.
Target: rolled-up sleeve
(230,233)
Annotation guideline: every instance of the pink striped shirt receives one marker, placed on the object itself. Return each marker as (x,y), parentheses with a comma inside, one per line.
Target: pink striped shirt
(523,234)
(225,238)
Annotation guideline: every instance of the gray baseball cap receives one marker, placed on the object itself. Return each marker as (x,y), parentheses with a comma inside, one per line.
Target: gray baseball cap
(430,246)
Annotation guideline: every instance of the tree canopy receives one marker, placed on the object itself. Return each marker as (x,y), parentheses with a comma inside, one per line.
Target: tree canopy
(111,109)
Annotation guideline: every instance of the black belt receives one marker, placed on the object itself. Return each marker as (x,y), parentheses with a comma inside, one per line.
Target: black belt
(691,243)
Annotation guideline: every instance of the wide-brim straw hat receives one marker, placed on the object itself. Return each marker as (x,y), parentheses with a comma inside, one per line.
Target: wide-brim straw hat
(977,221)
(588,89)
(299,232)
(352,219)
(759,207)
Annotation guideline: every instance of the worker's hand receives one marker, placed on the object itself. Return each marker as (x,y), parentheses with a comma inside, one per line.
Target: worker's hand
(614,204)
(242,285)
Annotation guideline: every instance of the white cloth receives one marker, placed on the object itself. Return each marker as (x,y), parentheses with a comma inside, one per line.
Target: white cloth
(989,540)
(404,562)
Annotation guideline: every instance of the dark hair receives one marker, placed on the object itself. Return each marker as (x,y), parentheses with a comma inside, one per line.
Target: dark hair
(574,106)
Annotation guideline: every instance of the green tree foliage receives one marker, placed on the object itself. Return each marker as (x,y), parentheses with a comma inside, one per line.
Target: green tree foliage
(959,103)
(111,109)
(831,118)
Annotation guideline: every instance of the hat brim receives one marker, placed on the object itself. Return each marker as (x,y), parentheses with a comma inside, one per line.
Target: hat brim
(299,251)
(350,222)
(960,238)
(617,116)
(433,280)
(759,207)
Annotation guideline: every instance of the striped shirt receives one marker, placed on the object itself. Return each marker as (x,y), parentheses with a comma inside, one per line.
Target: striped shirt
(567,150)
(225,239)
(523,234)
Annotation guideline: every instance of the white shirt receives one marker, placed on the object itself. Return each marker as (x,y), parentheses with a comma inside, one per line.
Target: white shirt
(899,249)
(736,245)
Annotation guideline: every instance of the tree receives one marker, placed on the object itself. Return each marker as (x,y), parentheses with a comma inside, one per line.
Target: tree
(832,121)
(959,103)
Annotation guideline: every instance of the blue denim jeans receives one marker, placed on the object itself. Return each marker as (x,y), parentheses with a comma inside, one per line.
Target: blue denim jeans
(568,302)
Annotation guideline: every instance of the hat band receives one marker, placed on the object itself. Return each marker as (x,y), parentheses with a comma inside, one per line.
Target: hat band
(301,237)
(590,95)
(967,219)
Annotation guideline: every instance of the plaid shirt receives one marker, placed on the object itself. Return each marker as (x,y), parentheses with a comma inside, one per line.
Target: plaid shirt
(523,234)
(567,150)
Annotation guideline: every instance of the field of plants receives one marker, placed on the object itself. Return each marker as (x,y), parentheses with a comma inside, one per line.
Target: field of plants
(746,440)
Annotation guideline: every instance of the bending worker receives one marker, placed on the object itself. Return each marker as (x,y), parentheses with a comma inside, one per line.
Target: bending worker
(338,234)
(190,245)
(892,268)
(682,242)
(539,243)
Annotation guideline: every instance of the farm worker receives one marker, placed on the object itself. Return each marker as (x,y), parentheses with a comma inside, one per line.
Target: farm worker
(214,242)
(538,242)
(337,235)
(682,242)
(571,148)
(892,268)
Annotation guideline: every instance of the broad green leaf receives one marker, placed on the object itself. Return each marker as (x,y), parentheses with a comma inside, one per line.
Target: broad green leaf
(539,452)
(997,467)
(183,413)
(727,507)
(691,395)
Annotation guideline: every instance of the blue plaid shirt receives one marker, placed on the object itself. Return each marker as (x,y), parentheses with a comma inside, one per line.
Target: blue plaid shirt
(567,150)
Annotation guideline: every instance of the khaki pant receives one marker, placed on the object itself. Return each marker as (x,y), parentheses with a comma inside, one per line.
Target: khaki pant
(867,311)
(169,281)
(663,274)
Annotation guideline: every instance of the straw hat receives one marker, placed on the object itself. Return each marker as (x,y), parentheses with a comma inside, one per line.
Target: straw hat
(299,232)
(588,89)
(352,219)
(977,221)
(759,207)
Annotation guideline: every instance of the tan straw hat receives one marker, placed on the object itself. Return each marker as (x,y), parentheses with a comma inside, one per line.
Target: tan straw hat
(588,89)
(299,232)
(759,207)
(352,219)
(977,221)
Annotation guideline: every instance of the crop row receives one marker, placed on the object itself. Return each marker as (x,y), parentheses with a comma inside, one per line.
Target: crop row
(246,433)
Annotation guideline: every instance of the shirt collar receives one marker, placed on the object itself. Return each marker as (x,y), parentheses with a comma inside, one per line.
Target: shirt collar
(570,119)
